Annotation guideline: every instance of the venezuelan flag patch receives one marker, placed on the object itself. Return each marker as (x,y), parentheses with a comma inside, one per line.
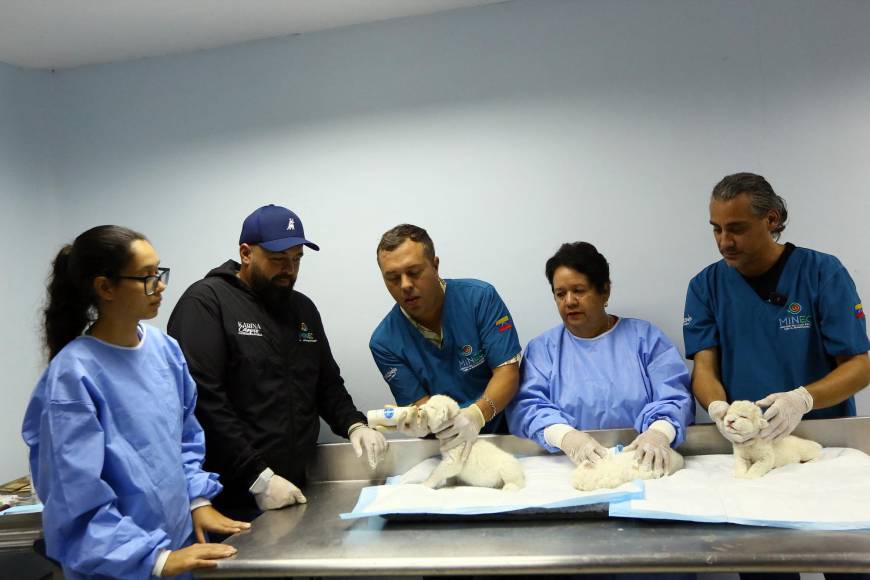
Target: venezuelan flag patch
(859,310)
(503,324)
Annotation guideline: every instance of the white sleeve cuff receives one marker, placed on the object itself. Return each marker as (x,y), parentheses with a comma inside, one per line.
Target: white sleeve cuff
(554,434)
(160,562)
(665,427)
(199,502)
(262,482)
(517,358)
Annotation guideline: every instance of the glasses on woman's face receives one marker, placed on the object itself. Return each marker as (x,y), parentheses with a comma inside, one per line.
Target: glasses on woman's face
(151,282)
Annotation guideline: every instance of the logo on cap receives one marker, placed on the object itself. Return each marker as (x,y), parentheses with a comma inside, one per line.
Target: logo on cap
(275,228)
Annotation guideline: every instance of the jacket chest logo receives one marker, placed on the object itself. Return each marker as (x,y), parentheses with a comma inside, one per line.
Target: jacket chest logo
(305,335)
(250,329)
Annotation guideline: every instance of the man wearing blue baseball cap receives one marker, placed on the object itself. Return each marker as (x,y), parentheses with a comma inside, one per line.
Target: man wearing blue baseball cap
(263,367)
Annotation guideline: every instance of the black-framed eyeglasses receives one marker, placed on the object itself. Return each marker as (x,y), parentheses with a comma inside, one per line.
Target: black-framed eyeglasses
(151,282)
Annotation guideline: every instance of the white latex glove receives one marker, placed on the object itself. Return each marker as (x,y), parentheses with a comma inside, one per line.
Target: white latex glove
(717,411)
(784,412)
(580,447)
(414,424)
(653,450)
(373,442)
(463,429)
(278,493)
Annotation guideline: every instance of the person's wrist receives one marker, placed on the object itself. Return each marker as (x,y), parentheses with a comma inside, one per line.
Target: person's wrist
(489,404)
(664,427)
(355,427)
(160,563)
(806,397)
(554,435)
(477,415)
(198,503)
(262,482)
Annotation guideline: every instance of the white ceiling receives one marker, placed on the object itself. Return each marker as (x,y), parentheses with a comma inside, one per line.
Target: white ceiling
(55,34)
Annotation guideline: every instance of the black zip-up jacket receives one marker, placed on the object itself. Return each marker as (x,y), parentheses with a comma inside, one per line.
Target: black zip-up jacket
(262,382)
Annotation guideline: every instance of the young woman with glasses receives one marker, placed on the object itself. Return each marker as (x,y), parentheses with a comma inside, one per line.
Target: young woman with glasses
(115,449)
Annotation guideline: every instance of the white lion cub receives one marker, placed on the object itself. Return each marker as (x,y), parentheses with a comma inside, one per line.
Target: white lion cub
(757,456)
(486,466)
(614,470)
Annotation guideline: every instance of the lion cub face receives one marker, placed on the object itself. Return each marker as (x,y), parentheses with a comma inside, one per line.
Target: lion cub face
(744,418)
(438,410)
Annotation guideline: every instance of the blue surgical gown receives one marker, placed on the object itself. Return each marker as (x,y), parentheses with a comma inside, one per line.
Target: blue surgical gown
(116,455)
(630,376)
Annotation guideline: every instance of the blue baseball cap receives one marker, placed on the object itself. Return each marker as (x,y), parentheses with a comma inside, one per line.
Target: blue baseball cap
(275,228)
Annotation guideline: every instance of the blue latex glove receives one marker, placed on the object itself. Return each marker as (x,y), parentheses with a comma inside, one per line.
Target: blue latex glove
(463,429)
(784,412)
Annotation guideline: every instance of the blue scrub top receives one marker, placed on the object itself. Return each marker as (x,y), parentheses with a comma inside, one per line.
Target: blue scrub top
(477,335)
(765,348)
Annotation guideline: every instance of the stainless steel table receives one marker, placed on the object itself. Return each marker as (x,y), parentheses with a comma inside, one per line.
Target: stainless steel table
(311,540)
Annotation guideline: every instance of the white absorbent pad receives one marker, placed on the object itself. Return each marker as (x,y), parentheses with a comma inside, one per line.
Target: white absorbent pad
(548,485)
(829,493)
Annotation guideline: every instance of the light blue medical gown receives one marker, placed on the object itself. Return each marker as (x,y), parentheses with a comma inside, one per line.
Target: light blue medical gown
(630,376)
(116,455)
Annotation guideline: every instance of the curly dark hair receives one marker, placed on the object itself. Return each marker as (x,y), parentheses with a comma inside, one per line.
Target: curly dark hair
(584,258)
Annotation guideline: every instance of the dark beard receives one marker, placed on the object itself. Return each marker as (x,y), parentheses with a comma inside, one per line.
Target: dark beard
(277,299)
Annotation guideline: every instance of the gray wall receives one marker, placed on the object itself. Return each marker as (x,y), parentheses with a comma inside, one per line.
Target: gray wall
(505,130)
(29,222)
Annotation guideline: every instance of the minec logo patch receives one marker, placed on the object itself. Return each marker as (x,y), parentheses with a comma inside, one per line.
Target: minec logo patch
(859,310)
(249,329)
(503,323)
(305,335)
(390,374)
(471,360)
(794,320)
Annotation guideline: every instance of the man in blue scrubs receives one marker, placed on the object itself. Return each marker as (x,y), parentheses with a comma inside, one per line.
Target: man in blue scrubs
(450,337)
(772,323)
